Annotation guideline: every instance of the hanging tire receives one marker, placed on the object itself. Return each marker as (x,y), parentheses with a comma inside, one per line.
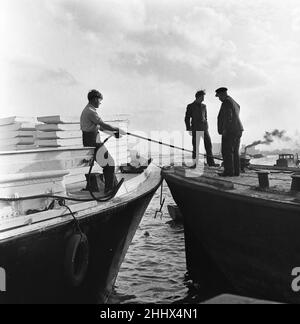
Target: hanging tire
(76,259)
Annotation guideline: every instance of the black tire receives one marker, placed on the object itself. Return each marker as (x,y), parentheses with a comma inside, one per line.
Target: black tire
(76,259)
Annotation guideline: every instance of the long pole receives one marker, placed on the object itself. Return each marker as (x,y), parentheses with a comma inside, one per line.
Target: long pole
(168,145)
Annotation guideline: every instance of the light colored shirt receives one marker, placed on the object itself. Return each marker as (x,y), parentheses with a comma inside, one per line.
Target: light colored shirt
(89,120)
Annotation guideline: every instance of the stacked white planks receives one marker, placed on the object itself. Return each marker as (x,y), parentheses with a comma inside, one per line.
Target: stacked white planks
(64,131)
(17,133)
(59,131)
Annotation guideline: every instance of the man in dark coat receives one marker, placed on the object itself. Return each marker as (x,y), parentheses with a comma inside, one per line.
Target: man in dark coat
(196,122)
(231,129)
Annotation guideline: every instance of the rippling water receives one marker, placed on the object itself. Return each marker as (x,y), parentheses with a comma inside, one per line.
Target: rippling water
(154,267)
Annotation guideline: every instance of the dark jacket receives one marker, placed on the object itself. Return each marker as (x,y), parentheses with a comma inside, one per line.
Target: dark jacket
(229,118)
(196,117)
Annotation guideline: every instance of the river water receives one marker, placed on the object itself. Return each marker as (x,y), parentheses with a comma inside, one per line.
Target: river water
(154,269)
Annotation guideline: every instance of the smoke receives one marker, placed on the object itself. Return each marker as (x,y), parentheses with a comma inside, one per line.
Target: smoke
(269,138)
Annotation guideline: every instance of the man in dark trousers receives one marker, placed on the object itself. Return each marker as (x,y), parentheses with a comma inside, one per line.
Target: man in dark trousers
(90,123)
(231,129)
(196,122)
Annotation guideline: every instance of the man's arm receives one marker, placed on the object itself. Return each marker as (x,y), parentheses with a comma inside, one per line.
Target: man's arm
(205,113)
(227,117)
(220,121)
(94,117)
(187,119)
(118,132)
(106,127)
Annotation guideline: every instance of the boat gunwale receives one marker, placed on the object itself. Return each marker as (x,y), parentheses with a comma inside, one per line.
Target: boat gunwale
(50,149)
(229,193)
(59,220)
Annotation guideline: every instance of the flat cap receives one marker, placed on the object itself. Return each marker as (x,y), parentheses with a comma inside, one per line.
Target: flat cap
(220,90)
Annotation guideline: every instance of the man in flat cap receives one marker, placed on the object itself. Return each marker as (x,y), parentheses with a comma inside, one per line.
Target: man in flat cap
(231,129)
(196,122)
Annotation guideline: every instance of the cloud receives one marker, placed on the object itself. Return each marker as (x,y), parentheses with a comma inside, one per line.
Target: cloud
(171,41)
(167,69)
(104,18)
(34,71)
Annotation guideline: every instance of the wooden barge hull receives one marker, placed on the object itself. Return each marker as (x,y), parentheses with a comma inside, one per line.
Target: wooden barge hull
(249,245)
(35,262)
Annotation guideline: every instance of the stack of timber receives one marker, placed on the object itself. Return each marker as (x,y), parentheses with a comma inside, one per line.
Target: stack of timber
(17,133)
(64,131)
(59,131)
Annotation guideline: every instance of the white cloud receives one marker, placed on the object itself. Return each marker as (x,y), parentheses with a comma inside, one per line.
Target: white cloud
(106,17)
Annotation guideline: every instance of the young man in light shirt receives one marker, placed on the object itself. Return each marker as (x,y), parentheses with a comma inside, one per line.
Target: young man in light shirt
(90,123)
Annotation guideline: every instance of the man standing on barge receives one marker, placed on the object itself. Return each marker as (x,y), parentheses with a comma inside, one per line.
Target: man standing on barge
(231,129)
(196,123)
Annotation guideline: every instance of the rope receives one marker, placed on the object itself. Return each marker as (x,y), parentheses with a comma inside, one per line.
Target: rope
(62,203)
(110,196)
(162,202)
(172,146)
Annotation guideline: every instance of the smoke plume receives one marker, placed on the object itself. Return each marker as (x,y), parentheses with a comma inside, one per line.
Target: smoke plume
(269,138)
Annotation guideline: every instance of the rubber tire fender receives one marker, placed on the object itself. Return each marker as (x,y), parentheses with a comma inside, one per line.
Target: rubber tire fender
(76,259)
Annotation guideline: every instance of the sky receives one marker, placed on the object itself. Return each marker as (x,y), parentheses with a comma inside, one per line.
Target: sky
(149,57)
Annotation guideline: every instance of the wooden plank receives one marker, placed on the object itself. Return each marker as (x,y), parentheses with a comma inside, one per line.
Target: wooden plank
(59,134)
(18,126)
(59,119)
(13,134)
(16,119)
(16,141)
(66,142)
(58,127)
